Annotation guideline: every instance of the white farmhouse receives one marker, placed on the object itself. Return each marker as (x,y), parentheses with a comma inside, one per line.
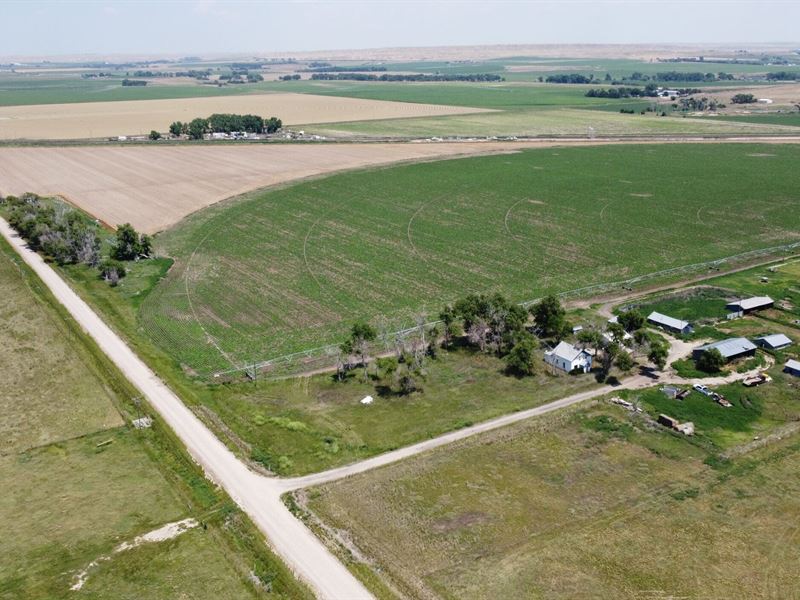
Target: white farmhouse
(567,357)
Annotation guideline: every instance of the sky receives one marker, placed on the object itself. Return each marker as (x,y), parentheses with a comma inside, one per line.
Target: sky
(207,27)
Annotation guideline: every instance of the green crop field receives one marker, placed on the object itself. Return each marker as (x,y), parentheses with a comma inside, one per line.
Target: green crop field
(791,119)
(77,481)
(308,260)
(524,109)
(591,503)
(47,89)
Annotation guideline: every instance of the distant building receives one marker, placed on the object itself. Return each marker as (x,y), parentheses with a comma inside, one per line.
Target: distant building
(748,305)
(669,323)
(730,349)
(776,341)
(568,358)
(792,367)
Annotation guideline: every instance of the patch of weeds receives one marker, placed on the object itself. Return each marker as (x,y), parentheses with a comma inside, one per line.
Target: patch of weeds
(282,422)
(331,446)
(608,426)
(692,492)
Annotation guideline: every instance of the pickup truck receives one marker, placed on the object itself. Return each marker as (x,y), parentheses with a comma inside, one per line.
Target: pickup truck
(702,389)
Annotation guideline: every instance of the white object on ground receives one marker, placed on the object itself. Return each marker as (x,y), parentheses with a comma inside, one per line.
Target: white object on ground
(367,400)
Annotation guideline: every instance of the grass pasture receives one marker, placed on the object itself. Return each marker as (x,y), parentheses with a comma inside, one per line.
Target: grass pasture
(310,259)
(78,481)
(583,504)
(63,397)
(303,425)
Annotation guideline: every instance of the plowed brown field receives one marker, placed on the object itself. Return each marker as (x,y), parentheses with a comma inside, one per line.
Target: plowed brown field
(111,119)
(155,187)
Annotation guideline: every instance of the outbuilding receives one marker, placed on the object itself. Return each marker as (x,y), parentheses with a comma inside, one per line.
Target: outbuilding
(792,367)
(748,305)
(669,323)
(777,341)
(730,348)
(568,358)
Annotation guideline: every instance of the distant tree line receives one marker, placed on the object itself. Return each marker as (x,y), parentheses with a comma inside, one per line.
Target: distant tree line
(225,123)
(246,66)
(294,77)
(471,77)
(133,83)
(340,69)
(696,76)
(167,74)
(783,76)
(241,76)
(648,91)
(623,92)
(743,99)
(68,236)
(569,78)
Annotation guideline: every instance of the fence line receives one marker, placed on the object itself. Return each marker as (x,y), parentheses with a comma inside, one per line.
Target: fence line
(331,349)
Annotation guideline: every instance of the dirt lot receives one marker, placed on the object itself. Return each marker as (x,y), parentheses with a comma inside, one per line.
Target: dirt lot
(110,119)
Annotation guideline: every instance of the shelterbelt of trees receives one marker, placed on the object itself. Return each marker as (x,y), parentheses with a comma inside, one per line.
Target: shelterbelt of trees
(225,123)
(472,77)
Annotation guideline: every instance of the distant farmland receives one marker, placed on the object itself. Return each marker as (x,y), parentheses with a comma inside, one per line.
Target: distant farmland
(104,119)
(308,260)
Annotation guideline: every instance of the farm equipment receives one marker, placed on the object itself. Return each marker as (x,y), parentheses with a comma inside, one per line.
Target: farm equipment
(720,399)
(756,380)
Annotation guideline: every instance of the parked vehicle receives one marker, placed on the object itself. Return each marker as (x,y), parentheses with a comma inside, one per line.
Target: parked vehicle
(702,389)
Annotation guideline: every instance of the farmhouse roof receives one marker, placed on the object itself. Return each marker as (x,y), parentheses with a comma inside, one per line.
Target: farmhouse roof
(730,347)
(776,340)
(671,322)
(792,364)
(751,303)
(566,351)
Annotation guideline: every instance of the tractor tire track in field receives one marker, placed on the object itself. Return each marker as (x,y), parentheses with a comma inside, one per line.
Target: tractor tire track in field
(697,216)
(414,249)
(508,214)
(603,212)
(191,304)
(305,254)
(408,230)
(323,290)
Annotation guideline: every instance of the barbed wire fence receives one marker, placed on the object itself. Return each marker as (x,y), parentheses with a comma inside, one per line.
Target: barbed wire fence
(320,357)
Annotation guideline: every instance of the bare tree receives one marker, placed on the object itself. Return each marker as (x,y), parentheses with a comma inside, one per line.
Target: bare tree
(477,333)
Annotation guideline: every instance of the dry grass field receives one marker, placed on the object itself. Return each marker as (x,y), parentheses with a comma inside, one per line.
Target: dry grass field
(586,505)
(75,481)
(782,94)
(104,119)
(155,187)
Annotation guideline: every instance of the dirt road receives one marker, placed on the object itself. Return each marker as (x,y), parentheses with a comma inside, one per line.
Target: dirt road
(260,496)
(255,494)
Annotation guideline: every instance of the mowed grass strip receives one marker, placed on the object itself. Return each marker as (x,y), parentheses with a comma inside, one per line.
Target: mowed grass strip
(290,269)
(584,504)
